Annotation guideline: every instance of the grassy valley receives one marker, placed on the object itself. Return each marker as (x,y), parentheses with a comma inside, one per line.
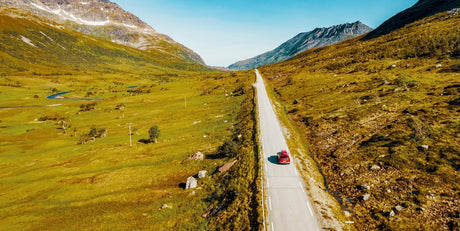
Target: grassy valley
(382,120)
(68,164)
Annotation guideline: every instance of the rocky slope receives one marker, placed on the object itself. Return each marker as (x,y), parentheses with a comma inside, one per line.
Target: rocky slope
(107,20)
(422,9)
(304,41)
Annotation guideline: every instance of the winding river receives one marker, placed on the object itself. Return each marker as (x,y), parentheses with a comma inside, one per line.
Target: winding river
(59,96)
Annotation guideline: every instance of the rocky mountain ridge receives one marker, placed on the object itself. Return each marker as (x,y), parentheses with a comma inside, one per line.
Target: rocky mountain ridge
(106,20)
(304,41)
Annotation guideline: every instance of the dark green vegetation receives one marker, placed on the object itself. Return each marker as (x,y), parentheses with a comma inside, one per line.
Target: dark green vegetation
(383,121)
(67,164)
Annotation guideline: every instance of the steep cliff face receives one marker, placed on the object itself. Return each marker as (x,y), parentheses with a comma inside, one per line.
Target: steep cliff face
(107,20)
(304,41)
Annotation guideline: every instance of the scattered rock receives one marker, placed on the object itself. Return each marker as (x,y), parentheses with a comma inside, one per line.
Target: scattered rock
(197,156)
(347,214)
(202,174)
(392,66)
(191,183)
(120,107)
(196,122)
(454,12)
(388,190)
(438,65)
(166,206)
(227,166)
(407,65)
(423,147)
(364,187)
(295,101)
(354,83)
(375,167)
(386,83)
(421,209)
(366,197)
(392,213)
(398,208)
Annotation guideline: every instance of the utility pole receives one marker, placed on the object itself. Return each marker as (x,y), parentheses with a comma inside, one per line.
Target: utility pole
(130,140)
(349,222)
(185,100)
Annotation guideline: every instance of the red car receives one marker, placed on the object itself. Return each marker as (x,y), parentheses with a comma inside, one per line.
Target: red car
(283,157)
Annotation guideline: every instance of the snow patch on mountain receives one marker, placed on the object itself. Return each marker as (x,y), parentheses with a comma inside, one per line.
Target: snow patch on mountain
(68,16)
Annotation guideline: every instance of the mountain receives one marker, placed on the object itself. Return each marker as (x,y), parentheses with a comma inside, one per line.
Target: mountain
(422,9)
(106,20)
(304,41)
(35,45)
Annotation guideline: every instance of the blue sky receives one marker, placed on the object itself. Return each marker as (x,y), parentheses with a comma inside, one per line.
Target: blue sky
(227,31)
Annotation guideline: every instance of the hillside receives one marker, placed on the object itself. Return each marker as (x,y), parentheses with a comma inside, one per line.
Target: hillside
(106,20)
(304,41)
(381,117)
(30,44)
(422,9)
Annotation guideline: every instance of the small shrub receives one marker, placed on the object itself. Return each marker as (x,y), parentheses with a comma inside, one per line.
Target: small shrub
(92,135)
(88,106)
(53,117)
(228,149)
(154,133)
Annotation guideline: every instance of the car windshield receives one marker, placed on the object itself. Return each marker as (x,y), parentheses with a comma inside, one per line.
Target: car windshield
(284,157)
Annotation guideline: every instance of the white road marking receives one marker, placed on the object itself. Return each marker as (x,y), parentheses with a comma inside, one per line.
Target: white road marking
(301,187)
(309,208)
(273,227)
(270,203)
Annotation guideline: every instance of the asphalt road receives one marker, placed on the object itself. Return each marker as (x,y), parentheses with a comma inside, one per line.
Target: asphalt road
(288,206)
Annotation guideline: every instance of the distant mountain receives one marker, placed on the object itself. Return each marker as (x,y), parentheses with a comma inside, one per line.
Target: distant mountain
(422,9)
(304,41)
(106,20)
